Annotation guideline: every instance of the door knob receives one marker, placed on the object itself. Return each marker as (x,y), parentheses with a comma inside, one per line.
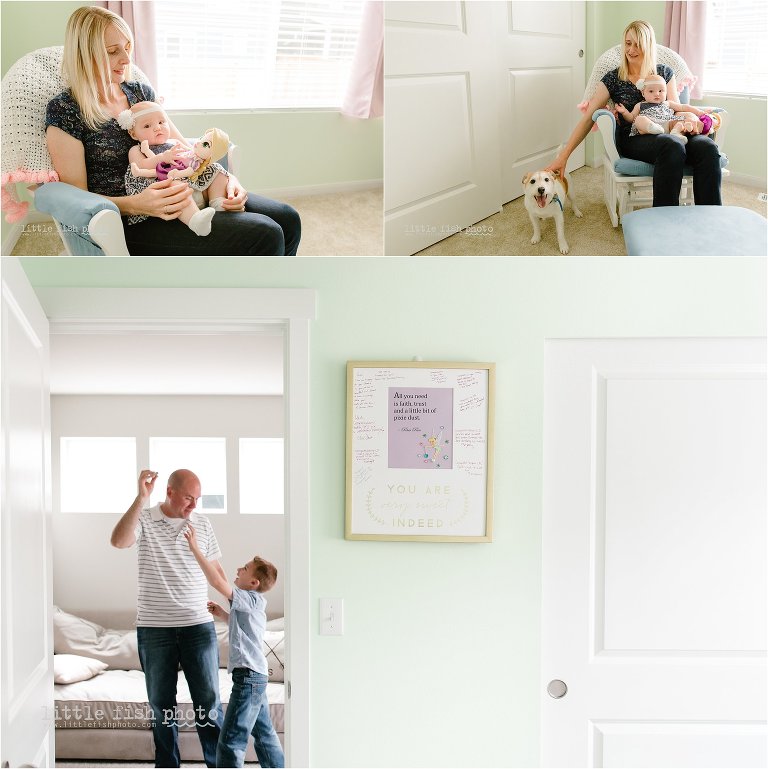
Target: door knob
(581,53)
(557,689)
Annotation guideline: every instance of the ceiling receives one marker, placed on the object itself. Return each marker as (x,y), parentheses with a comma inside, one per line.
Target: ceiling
(165,364)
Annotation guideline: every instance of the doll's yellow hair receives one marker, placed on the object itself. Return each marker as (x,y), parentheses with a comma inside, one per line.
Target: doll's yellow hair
(219,148)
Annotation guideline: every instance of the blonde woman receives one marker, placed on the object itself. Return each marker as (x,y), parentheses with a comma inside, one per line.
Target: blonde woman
(90,150)
(668,153)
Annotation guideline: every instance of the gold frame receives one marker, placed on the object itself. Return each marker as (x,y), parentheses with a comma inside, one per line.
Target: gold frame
(490,369)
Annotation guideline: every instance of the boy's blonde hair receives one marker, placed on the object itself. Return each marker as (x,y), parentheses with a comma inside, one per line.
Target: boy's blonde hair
(86,62)
(642,33)
(266,573)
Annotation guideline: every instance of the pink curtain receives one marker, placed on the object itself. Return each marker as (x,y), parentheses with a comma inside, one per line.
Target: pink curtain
(140,17)
(365,90)
(685,32)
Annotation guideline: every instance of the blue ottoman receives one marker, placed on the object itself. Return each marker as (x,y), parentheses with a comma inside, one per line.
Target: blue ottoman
(695,231)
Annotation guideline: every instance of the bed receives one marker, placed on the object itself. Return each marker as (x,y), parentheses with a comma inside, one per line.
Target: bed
(100,698)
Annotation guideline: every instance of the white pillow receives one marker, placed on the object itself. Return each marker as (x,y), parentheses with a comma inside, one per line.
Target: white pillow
(278,623)
(75,635)
(71,668)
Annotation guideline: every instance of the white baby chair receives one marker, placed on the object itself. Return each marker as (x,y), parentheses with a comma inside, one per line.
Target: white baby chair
(89,224)
(628,183)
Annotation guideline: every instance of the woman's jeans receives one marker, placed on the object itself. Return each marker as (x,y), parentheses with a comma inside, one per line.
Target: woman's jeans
(669,156)
(161,651)
(248,713)
(265,228)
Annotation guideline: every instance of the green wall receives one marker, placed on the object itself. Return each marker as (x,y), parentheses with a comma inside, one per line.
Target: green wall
(439,661)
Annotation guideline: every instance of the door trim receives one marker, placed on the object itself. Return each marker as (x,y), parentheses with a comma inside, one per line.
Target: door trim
(232,311)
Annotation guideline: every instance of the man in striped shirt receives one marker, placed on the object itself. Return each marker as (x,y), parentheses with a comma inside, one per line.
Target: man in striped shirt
(173,625)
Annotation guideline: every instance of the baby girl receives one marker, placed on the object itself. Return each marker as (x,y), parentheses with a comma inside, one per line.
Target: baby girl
(157,157)
(656,115)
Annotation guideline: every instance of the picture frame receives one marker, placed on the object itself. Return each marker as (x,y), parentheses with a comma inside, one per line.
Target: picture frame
(419,461)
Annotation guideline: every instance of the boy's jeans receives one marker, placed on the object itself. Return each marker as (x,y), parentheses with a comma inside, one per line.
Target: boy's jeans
(161,651)
(248,713)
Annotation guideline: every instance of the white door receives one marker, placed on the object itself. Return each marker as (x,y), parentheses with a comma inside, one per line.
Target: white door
(654,553)
(541,67)
(441,135)
(27,718)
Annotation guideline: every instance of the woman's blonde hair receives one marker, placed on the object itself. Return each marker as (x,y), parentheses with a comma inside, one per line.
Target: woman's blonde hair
(86,62)
(645,38)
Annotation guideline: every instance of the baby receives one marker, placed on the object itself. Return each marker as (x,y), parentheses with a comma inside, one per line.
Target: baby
(158,157)
(656,115)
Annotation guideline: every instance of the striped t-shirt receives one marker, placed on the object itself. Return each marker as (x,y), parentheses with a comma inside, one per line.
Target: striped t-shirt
(173,591)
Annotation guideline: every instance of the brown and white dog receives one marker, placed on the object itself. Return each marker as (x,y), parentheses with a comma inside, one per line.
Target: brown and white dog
(546,195)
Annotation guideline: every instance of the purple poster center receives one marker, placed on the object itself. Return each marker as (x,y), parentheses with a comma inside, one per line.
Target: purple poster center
(420,428)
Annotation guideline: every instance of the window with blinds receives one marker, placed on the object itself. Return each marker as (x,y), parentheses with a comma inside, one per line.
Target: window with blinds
(255,54)
(735,61)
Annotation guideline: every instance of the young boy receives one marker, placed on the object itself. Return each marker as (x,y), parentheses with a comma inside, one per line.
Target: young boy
(248,709)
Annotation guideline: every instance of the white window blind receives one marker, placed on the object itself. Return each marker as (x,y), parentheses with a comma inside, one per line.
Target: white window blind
(206,457)
(735,56)
(255,54)
(261,476)
(97,475)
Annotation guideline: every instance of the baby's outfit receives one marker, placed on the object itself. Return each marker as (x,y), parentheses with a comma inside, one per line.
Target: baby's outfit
(135,184)
(656,112)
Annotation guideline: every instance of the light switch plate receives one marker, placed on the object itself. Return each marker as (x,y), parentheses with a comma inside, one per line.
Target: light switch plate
(331,616)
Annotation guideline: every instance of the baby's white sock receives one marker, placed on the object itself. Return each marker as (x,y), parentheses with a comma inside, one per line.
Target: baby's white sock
(655,128)
(200,223)
(215,204)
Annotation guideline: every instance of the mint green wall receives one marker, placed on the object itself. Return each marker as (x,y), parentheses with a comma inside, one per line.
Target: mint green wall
(439,661)
(746,140)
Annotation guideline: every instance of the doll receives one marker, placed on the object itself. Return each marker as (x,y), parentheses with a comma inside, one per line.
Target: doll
(157,157)
(657,115)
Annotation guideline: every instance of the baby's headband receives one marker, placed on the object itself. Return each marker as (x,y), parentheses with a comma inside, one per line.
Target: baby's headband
(127,119)
(641,83)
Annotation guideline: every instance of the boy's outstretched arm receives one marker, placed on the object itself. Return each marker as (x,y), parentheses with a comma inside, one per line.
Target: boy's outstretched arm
(212,569)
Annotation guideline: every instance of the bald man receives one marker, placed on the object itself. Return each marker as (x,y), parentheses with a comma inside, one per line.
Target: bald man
(173,625)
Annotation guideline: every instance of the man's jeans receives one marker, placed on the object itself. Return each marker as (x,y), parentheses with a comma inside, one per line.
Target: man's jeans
(248,713)
(161,651)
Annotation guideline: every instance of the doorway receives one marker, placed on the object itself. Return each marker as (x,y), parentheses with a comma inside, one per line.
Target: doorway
(132,312)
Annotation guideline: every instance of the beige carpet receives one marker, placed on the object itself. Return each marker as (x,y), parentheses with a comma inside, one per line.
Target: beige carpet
(340,224)
(592,235)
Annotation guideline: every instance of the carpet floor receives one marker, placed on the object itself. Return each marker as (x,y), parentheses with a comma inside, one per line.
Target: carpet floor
(338,224)
(592,235)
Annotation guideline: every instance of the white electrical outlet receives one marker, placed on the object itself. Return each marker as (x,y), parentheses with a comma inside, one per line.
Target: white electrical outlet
(331,616)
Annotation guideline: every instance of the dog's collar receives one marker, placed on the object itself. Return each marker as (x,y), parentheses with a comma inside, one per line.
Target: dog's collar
(557,200)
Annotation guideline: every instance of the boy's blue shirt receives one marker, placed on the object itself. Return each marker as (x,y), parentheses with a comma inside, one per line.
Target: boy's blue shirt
(247,621)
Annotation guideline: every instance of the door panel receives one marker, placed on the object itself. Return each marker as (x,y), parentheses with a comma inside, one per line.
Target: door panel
(542,81)
(654,573)
(441,138)
(27,631)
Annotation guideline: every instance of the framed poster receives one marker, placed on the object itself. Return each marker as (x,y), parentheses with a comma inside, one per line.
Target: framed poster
(419,451)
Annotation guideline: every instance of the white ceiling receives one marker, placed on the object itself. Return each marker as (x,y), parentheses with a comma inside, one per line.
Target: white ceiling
(163,364)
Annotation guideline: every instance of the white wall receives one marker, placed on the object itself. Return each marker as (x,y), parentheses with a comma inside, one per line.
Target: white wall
(90,576)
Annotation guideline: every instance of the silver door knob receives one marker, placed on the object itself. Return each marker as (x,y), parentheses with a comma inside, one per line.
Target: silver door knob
(557,689)
(581,53)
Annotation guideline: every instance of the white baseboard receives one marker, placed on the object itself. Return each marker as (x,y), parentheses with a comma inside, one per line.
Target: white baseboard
(748,181)
(321,189)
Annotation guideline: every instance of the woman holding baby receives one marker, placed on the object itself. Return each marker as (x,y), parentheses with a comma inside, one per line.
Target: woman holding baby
(89,149)
(668,152)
